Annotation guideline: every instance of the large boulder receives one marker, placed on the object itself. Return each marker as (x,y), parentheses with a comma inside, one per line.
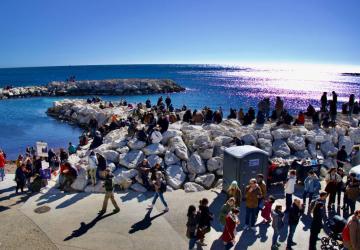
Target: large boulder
(300,130)
(312,150)
(302,154)
(156,137)
(354,134)
(317,136)
(175,176)
(328,148)
(154,149)
(116,135)
(131,159)
(170,133)
(281,134)
(136,144)
(223,141)
(196,164)
(205,153)
(265,134)
(111,155)
(154,159)
(205,180)
(347,142)
(215,163)
(281,149)
(249,139)
(296,143)
(193,187)
(178,146)
(170,158)
(81,180)
(122,181)
(123,150)
(266,145)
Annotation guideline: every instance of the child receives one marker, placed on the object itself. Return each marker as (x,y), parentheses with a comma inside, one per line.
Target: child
(191,226)
(290,188)
(109,193)
(266,212)
(277,225)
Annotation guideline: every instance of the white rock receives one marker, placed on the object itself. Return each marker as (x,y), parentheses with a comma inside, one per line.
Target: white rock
(136,144)
(111,155)
(346,140)
(153,159)
(281,133)
(131,159)
(353,122)
(138,188)
(123,150)
(223,141)
(219,184)
(354,134)
(328,148)
(330,163)
(281,149)
(265,134)
(170,133)
(205,180)
(340,130)
(312,150)
(111,166)
(219,151)
(297,143)
(317,136)
(205,153)
(265,145)
(81,180)
(249,139)
(195,164)
(103,148)
(302,154)
(214,164)
(170,158)
(178,146)
(114,135)
(175,176)
(184,166)
(154,149)
(193,187)
(301,130)
(74,159)
(156,137)
(219,172)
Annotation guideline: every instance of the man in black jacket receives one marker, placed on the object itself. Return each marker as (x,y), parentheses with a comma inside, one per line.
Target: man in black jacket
(341,156)
(295,212)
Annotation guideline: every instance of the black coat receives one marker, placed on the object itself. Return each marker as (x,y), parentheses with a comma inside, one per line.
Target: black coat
(205,216)
(294,214)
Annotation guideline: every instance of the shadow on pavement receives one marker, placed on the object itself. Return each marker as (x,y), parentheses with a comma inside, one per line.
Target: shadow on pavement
(139,196)
(85,227)
(144,223)
(50,196)
(215,208)
(247,239)
(72,200)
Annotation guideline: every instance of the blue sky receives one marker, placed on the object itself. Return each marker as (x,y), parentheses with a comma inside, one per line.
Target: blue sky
(81,32)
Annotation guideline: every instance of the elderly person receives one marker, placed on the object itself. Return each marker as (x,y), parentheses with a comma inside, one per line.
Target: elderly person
(252,196)
(235,192)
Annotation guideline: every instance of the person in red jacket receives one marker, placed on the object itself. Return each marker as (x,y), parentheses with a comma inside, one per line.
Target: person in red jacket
(2,165)
(228,236)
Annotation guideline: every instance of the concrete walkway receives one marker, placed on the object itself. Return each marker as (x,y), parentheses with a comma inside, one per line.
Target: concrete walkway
(73,223)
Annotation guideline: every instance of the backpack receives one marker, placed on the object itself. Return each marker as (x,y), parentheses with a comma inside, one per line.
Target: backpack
(163,187)
(346,233)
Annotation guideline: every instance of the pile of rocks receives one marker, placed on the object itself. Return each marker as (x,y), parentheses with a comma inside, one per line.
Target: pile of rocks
(192,155)
(95,87)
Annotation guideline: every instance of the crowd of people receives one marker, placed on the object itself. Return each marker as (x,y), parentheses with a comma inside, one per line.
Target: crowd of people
(258,202)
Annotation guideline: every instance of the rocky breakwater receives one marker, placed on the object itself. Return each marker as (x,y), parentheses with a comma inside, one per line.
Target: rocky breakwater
(94,87)
(192,155)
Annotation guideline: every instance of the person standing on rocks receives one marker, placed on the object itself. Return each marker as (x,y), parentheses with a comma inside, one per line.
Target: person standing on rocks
(93,126)
(252,196)
(351,104)
(295,212)
(168,102)
(109,193)
(290,188)
(324,102)
(160,187)
(93,164)
(2,165)
(228,236)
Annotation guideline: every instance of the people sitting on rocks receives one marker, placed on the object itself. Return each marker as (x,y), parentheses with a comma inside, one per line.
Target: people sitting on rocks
(187,117)
(144,169)
(98,140)
(218,117)
(260,119)
(71,149)
(163,123)
(208,115)
(67,176)
(232,114)
(300,120)
(279,107)
(83,139)
(93,126)
(241,115)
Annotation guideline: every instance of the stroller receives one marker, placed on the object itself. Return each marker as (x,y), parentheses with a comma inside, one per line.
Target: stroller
(334,239)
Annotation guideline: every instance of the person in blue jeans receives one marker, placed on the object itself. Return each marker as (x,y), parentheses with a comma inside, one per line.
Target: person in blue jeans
(312,187)
(295,212)
(160,187)
(277,225)
(252,196)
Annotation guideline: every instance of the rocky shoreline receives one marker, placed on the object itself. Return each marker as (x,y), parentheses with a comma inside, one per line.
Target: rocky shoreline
(94,87)
(192,155)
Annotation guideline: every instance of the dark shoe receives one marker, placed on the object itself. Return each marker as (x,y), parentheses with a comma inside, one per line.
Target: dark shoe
(277,244)
(293,243)
(116,210)
(102,211)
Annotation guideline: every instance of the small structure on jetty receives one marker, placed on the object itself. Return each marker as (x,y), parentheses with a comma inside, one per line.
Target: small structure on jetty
(94,87)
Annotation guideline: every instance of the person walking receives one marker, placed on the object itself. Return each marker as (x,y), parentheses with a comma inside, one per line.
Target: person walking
(351,232)
(312,187)
(332,181)
(277,225)
(228,235)
(205,218)
(160,187)
(290,188)
(2,165)
(109,193)
(93,164)
(191,225)
(252,196)
(316,224)
(235,192)
(225,209)
(295,212)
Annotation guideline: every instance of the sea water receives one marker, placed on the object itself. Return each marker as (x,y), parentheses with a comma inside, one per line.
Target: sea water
(24,121)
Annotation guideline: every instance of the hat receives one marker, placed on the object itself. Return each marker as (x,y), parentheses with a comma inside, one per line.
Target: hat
(234,183)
